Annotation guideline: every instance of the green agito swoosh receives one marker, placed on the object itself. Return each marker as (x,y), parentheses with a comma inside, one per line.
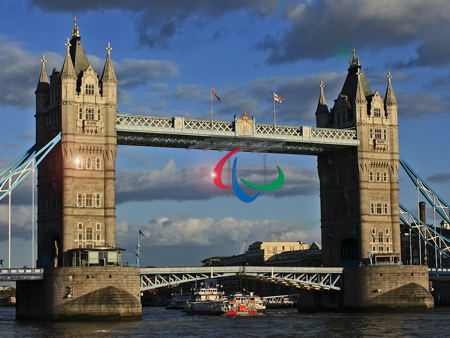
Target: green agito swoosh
(271,186)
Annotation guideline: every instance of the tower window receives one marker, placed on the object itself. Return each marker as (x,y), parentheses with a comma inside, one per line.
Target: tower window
(80,237)
(98,200)
(378,177)
(80,226)
(98,163)
(89,234)
(378,134)
(379,208)
(380,237)
(90,89)
(79,162)
(384,177)
(89,163)
(370,176)
(79,200)
(90,114)
(88,200)
(377,112)
(97,237)
(98,226)
(385,209)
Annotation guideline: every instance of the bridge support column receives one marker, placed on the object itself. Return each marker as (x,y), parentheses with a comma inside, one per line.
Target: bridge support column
(80,293)
(373,288)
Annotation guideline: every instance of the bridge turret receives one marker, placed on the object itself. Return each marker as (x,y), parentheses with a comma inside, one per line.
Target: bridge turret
(109,80)
(42,100)
(68,77)
(390,101)
(322,112)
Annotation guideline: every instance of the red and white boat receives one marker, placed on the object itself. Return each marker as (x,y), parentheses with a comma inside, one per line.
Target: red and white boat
(237,304)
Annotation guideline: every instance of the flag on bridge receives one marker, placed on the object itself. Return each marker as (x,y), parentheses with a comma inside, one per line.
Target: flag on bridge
(277,98)
(141,233)
(214,93)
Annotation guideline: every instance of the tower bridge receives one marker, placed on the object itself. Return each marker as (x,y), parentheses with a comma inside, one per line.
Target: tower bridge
(356,142)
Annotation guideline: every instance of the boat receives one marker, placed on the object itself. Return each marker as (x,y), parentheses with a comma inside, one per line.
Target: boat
(205,294)
(237,304)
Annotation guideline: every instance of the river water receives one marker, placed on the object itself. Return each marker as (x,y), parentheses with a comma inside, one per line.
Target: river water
(159,322)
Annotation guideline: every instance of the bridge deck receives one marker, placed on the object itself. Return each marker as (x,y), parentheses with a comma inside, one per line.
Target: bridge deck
(181,132)
(300,277)
(20,274)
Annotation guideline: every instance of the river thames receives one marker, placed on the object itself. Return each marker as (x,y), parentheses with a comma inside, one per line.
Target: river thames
(159,322)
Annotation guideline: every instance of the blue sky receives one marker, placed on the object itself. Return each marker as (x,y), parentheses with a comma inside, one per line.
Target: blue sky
(168,54)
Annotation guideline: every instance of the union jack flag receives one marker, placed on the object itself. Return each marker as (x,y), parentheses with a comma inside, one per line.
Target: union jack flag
(214,93)
(277,98)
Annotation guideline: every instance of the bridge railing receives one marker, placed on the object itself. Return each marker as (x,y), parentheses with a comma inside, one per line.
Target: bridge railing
(195,126)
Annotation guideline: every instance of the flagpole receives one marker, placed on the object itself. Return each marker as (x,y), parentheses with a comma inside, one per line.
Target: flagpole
(138,246)
(212,106)
(274,118)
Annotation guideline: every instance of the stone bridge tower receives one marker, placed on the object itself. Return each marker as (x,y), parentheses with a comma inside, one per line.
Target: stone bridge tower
(359,187)
(76,202)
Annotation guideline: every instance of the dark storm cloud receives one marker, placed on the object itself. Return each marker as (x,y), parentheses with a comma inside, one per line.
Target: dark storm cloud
(439,178)
(159,20)
(19,73)
(324,28)
(195,183)
(417,104)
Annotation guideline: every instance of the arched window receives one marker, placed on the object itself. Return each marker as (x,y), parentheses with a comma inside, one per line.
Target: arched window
(89,234)
(370,176)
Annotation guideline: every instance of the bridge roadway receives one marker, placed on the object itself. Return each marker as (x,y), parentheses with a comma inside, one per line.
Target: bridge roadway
(315,278)
(182,132)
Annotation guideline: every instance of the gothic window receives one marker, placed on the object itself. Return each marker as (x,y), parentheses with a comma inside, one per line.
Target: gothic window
(384,177)
(387,231)
(385,209)
(370,176)
(90,89)
(80,114)
(98,163)
(80,225)
(371,132)
(98,226)
(380,237)
(380,249)
(388,248)
(384,134)
(80,237)
(89,163)
(79,200)
(378,177)
(387,239)
(90,114)
(377,112)
(98,200)
(97,237)
(372,208)
(79,162)
(379,208)
(378,134)
(89,234)
(88,201)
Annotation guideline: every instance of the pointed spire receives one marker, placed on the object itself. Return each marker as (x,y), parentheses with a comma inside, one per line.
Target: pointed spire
(389,98)
(322,112)
(43,78)
(67,69)
(354,61)
(322,99)
(108,70)
(75,29)
(360,96)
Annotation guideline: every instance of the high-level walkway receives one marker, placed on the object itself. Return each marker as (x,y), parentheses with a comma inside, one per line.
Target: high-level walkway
(182,132)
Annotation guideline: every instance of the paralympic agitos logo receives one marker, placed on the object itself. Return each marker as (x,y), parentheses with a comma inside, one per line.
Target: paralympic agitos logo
(217,178)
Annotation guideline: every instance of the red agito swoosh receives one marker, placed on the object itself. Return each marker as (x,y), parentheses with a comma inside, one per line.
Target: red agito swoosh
(217,172)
